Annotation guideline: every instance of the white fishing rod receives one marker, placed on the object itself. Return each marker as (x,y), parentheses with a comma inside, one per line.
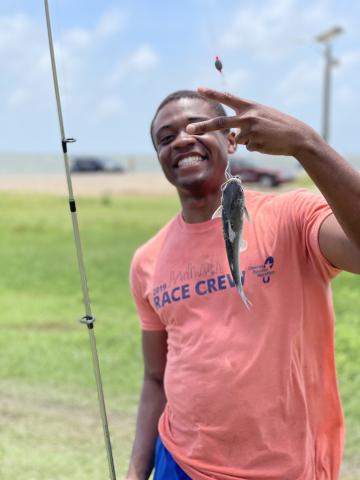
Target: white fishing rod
(88,318)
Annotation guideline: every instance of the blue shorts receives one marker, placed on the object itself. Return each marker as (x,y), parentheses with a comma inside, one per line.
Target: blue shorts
(165,466)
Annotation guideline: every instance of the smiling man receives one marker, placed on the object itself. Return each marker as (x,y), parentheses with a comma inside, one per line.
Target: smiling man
(230,393)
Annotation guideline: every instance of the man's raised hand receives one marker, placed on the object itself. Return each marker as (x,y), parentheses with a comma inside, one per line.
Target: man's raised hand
(258,127)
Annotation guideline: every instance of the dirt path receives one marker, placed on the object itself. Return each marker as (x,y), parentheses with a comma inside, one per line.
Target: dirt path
(90,184)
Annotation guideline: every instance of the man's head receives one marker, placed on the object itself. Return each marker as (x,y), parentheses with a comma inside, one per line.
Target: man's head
(219,110)
(190,162)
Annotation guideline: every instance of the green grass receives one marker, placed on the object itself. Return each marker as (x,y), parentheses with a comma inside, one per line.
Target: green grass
(46,368)
(303,181)
(49,422)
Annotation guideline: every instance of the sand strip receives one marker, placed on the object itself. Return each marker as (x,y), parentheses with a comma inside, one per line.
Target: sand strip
(90,184)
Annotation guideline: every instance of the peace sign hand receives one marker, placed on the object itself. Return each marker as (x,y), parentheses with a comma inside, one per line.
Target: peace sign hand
(260,128)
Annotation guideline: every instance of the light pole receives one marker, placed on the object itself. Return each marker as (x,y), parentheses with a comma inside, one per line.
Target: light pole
(330,62)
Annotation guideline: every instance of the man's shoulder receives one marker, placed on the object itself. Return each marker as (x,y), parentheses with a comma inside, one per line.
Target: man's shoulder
(256,199)
(153,245)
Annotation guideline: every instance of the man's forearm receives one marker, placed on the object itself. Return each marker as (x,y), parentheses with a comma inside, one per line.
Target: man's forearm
(266,130)
(151,405)
(337,180)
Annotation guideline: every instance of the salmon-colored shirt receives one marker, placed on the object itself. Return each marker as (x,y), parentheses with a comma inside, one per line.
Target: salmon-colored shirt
(253,394)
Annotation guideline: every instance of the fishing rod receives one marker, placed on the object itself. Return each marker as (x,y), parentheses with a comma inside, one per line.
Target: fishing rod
(88,318)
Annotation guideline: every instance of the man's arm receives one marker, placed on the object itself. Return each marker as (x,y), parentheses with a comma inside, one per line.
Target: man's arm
(339,182)
(151,405)
(266,130)
(337,248)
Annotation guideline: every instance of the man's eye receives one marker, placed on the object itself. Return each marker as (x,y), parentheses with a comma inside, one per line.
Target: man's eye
(165,140)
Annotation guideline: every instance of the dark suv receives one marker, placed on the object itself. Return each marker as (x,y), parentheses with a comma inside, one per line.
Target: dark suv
(94,164)
(267,177)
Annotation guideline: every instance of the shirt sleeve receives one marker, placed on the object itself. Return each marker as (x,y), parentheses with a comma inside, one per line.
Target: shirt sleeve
(139,284)
(310,210)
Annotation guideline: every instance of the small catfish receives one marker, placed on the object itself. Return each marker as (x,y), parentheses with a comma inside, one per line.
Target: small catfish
(232,211)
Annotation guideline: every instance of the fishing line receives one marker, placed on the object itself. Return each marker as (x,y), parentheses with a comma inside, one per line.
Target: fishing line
(213,27)
(88,318)
(220,67)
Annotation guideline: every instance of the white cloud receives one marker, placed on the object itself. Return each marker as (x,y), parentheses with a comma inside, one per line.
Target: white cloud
(17,98)
(277,37)
(24,50)
(299,84)
(346,80)
(142,59)
(236,79)
(20,43)
(270,30)
(110,23)
(13,30)
(108,106)
(348,96)
(77,38)
(21,48)
(348,61)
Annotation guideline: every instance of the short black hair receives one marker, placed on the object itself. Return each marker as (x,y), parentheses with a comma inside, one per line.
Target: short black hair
(219,110)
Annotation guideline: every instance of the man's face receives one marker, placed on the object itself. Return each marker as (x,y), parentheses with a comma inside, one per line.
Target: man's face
(192,163)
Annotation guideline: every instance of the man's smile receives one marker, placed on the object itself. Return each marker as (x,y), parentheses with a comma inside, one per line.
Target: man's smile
(191,161)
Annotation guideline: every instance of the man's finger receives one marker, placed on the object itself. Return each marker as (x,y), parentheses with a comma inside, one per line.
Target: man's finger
(236,103)
(217,123)
(242,137)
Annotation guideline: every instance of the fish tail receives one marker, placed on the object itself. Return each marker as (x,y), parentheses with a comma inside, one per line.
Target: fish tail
(245,300)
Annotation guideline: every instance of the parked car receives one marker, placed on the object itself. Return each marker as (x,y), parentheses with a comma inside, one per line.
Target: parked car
(267,177)
(95,164)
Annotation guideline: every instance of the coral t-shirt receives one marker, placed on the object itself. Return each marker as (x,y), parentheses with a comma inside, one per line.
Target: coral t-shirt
(253,394)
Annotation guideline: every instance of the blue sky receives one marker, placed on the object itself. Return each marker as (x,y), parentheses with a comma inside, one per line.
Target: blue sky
(118,59)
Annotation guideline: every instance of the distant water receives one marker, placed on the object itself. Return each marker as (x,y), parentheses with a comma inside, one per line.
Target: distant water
(47,164)
(51,164)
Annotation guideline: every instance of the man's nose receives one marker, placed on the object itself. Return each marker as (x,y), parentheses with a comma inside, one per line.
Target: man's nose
(184,139)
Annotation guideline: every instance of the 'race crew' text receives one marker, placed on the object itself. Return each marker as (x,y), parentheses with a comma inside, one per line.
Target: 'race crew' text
(201,287)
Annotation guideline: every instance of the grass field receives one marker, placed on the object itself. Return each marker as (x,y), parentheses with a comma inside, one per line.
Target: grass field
(49,422)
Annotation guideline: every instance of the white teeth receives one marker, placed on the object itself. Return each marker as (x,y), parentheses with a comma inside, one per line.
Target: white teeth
(185,162)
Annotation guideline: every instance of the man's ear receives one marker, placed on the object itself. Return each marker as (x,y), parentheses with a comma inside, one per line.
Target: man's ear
(232,145)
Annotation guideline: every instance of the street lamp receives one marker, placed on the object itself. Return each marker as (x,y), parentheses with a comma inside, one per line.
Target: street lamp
(330,62)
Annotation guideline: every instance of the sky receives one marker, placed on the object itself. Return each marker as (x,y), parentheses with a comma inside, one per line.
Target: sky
(117,60)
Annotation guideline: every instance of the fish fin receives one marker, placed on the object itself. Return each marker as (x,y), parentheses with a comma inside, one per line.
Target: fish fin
(217,213)
(247,214)
(243,245)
